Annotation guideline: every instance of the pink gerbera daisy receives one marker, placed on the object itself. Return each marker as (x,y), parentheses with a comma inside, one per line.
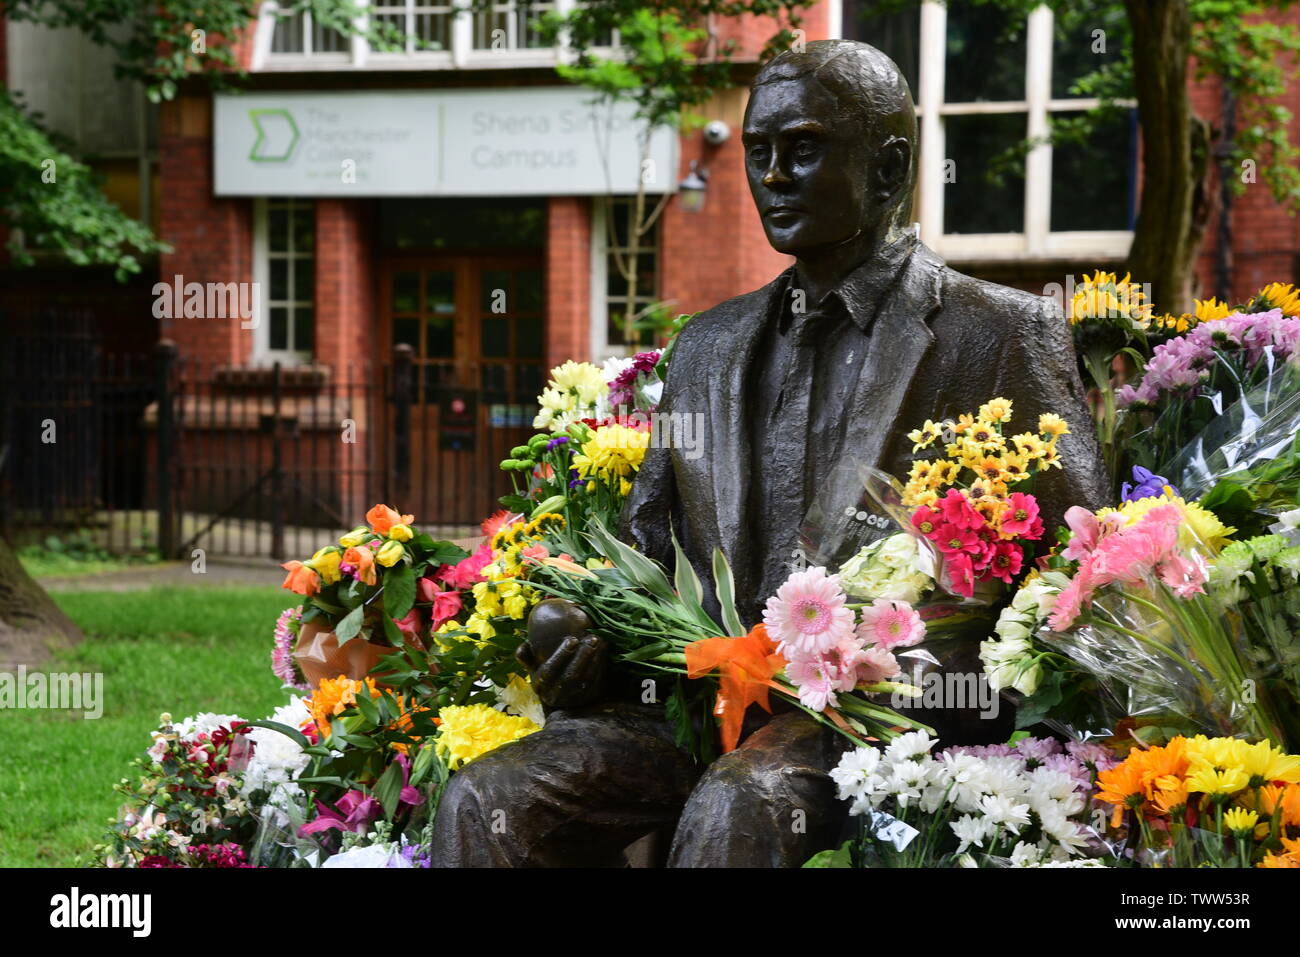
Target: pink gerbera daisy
(807,613)
(891,624)
(1020,514)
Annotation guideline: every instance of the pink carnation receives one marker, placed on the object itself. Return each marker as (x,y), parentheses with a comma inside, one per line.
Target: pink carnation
(891,624)
(807,615)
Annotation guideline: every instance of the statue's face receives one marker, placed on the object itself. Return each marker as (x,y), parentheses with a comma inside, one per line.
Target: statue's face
(807,171)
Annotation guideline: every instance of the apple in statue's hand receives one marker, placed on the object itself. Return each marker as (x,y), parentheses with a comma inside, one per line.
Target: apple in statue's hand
(567,663)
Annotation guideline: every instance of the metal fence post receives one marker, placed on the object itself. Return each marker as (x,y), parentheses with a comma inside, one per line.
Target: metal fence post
(165,351)
(277,469)
(403,355)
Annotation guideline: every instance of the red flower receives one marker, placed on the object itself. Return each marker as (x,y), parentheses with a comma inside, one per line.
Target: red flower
(1020,516)
(925,520)
(1008,557)
(961,573)
(957,510)
(952,539)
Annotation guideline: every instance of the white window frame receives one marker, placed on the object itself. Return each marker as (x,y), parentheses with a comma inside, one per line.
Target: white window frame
(1036,241)
(262,255)
(601,347)
(461,54)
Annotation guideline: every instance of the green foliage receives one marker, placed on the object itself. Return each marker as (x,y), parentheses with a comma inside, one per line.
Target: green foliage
(57,204)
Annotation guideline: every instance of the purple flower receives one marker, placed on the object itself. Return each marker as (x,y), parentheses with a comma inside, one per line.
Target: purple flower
(557,442)
(354,812)
(622,390)
(1038,750)
(282,651)
(1149,485)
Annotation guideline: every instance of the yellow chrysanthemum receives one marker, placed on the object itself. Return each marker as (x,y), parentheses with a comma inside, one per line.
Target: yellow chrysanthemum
(582,379)
(990,469)
(944,473)
(1215,781)
(613,453)
(467,732)
(1208,310)
(1285,297)
(1051,424)
(1239,820)
(1015,468)
(1200,526)
(987,488)
(995,410)
(985,436)
(917,493)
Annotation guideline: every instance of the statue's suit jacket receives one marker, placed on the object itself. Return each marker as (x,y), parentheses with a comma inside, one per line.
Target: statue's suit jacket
(941,344)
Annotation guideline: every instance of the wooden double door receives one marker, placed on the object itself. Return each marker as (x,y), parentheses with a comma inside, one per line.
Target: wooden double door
(476,325)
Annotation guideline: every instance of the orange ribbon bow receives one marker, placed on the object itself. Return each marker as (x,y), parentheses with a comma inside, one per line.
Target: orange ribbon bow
(747,665)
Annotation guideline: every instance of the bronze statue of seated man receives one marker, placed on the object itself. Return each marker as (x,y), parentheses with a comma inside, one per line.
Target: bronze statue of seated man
(865,337)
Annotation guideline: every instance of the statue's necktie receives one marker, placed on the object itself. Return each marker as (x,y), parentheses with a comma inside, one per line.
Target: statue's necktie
(789,428)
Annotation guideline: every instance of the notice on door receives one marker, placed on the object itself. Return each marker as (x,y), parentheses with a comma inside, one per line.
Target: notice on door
(535,141)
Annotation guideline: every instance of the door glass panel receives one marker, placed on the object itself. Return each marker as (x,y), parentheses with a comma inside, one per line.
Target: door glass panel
(440,293)
(439,342)
(279,279)
(528,337)
(528,289)
(496,337)
(279,327)
(408,331)
(303,327)
(406,292)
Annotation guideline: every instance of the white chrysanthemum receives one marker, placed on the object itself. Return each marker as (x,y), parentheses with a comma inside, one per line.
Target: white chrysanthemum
(190,728)
(971,830)
(909,747)
(277,759)
(1026,855)
(857,774)
(1004,812)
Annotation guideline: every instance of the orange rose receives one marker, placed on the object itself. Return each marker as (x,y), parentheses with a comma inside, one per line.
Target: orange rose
(382,518)
(364,559)
(302,579)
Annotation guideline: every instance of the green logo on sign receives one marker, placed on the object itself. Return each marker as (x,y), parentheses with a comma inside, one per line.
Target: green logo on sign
(277,135)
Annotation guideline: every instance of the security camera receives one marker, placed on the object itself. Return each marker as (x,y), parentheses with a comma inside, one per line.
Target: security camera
(716,133)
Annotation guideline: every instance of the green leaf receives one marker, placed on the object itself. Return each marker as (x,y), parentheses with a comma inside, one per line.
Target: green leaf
(841,857)
(388,789)
(392,632)
(726,586)
(347,629)
(642,570)
(399,590)
(294,733)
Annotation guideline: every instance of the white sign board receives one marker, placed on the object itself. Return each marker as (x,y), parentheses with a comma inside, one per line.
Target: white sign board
(536,141)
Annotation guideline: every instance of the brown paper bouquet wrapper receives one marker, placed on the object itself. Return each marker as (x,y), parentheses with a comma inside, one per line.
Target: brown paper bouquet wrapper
(319,656)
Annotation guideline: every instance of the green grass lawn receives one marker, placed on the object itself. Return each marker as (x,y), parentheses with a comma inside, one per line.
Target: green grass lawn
(182,650)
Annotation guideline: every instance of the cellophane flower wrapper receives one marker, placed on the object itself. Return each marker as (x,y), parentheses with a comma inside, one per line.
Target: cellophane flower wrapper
(1183,662)
(861,508)
(1252,441)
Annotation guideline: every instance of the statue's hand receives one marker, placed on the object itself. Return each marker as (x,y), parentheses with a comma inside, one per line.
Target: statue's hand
(567,663)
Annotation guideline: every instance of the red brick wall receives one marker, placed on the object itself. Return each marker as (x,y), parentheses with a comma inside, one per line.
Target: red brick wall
(211,238)
(347,320)
(568,279)
(1265,238)
(719,252)
(751,33)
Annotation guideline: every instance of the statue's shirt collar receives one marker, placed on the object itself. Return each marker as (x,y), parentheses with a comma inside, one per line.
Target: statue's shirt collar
(859,294)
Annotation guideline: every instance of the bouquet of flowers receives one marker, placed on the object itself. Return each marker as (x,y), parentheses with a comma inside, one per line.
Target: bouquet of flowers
(1023,805)
(379,583)
(964,503)
(1206,802)
(1132,607)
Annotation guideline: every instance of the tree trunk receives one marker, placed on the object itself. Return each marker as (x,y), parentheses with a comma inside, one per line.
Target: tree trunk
(1175,202)
(31,625)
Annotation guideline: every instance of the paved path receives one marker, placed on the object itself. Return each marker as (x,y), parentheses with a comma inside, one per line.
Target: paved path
(257,573)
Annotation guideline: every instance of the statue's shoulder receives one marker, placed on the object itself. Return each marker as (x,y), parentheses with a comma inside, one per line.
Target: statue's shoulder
(969,296)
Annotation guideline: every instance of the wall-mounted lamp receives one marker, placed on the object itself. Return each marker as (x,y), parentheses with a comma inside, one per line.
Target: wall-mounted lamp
(690,191)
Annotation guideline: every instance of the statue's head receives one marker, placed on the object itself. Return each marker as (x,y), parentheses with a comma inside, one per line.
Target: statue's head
(830,147)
